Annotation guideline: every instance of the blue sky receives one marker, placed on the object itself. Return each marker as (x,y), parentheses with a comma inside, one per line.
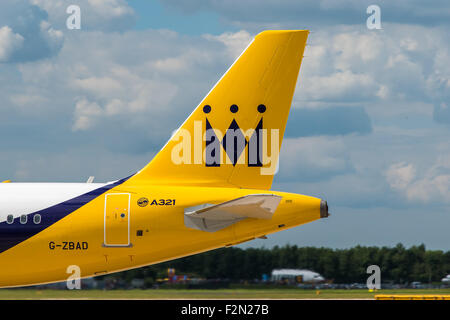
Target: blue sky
(368,128)
(156,15)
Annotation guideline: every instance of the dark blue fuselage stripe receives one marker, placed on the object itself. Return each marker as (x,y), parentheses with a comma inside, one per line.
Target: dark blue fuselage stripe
(15,233)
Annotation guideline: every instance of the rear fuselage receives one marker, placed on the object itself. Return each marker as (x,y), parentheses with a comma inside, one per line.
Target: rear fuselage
(104,228)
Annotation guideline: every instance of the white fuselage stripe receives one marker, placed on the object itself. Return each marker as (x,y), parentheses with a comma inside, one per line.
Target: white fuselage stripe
(24,198)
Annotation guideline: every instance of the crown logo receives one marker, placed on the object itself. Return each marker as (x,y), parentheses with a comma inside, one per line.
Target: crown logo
(212,148)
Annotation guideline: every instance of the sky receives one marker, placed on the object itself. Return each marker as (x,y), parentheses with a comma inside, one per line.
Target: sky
(368,129)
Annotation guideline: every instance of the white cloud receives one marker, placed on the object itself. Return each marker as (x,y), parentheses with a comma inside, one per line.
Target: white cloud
(145,87)
(432,185)
(27,99)
(115,107)
(313,158)
(235,42)
(112,8)
(30,35)
(86,113)
(9,42)
(339,86)
(347,65)
(101,86)
(53,37)
(172,65)
(400,175)
(106,15)
(356,47)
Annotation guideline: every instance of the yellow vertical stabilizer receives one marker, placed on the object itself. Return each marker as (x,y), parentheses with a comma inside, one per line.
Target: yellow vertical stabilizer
(233,137)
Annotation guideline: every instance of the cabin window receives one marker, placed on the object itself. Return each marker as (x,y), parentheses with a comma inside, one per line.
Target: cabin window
(9,219)
(23,219)
(37,218)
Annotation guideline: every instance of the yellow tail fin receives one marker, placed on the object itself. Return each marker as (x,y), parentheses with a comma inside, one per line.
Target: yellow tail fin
(233,138)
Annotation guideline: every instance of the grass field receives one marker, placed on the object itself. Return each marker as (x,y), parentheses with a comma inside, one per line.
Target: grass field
(33,294)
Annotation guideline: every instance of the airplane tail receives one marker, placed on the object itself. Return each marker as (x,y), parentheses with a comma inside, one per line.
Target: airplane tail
(233,137)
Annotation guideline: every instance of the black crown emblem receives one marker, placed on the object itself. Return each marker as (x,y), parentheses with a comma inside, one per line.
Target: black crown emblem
(234,142)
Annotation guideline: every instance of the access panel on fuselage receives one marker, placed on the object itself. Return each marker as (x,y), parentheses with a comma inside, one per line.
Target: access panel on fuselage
(117,220)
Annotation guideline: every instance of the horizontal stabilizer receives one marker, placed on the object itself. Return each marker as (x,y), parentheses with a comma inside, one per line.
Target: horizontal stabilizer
(211,218)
